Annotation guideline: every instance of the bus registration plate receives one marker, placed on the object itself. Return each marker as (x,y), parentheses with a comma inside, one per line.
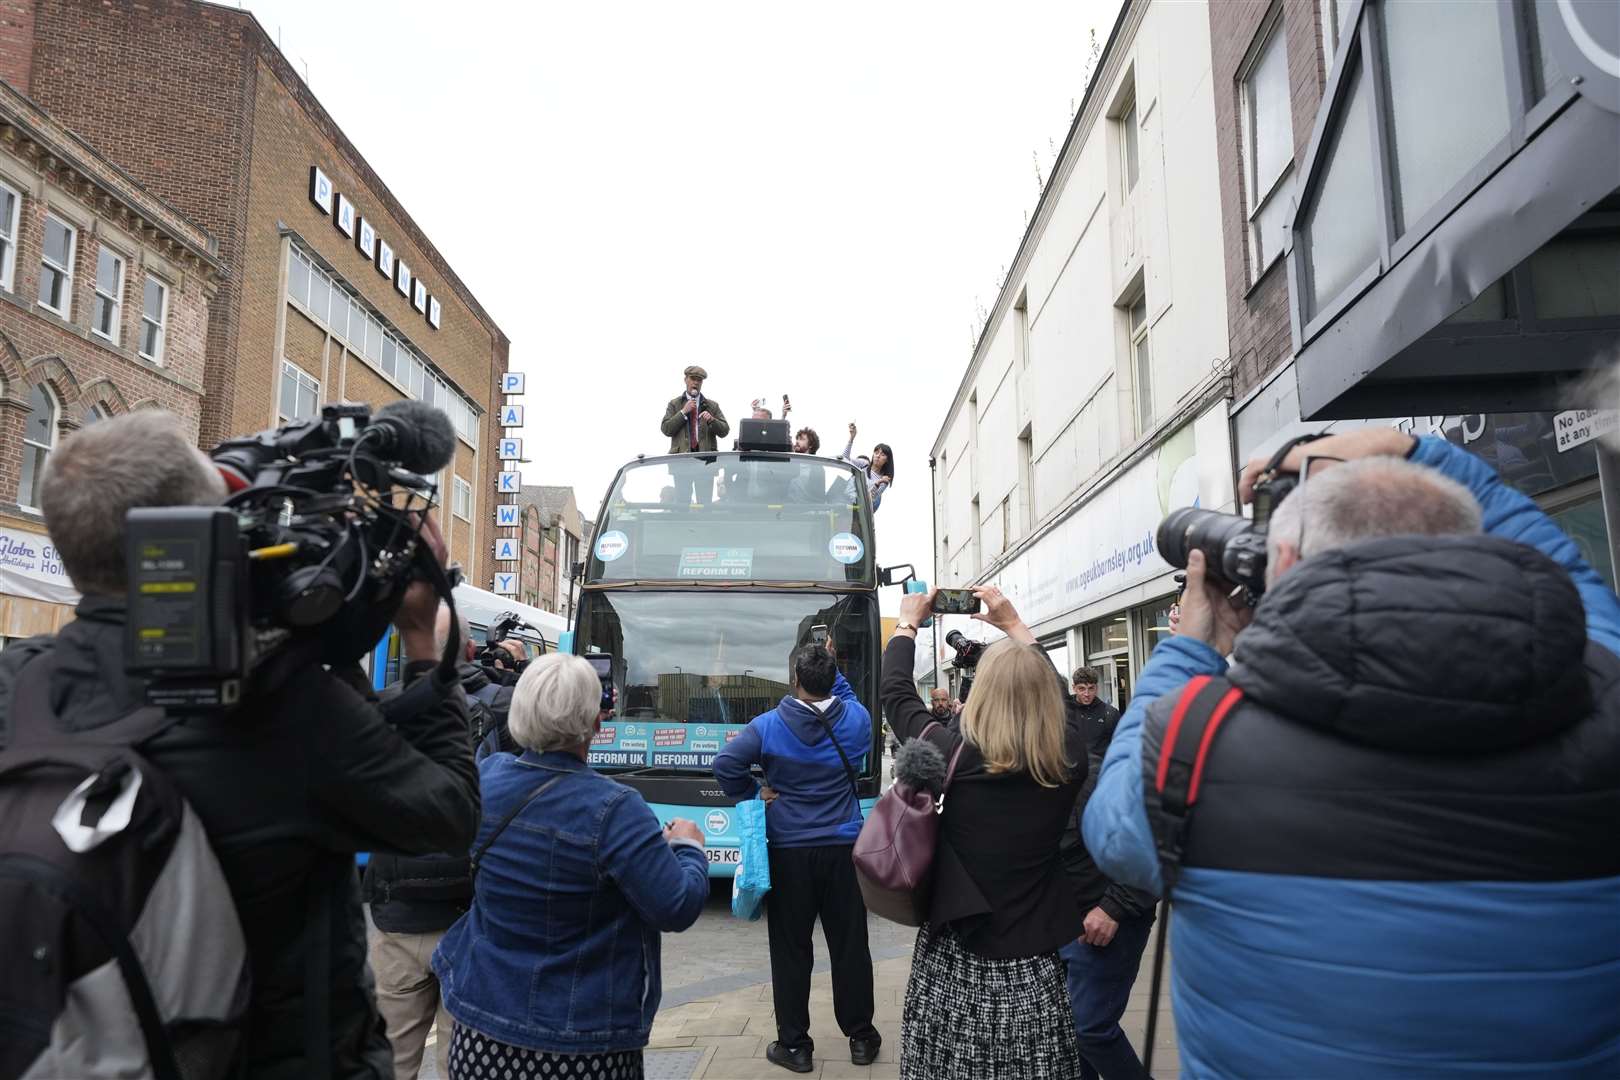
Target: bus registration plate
(724,856)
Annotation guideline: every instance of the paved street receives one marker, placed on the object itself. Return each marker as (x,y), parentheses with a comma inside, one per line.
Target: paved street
(716,1018)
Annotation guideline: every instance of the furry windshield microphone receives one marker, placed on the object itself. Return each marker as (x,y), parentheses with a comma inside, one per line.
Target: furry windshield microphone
(920,766)
(415,434)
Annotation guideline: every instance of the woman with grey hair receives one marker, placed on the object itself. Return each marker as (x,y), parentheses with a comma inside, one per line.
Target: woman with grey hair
(554,970)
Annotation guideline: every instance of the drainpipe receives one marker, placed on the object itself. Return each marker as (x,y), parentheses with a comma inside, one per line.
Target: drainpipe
(933,507)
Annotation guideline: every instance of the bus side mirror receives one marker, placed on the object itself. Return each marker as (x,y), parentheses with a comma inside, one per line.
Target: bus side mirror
(890,575)
(579,570)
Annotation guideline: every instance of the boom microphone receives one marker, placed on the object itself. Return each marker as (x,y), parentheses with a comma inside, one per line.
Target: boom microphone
(416,434)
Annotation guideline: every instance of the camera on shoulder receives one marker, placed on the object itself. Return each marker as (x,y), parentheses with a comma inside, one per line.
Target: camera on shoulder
(306,562)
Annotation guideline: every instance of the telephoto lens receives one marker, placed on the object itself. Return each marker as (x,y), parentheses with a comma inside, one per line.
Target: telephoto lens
(1234,549)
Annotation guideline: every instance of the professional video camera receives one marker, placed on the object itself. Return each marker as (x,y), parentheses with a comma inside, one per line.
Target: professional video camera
(306,562)
(1234,545)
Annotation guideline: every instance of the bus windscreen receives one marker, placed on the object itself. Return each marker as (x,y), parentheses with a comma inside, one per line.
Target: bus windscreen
(682,696)
(735,517)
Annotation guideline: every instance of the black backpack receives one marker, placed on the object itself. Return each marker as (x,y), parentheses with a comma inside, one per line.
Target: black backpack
(490,707)
(120,951)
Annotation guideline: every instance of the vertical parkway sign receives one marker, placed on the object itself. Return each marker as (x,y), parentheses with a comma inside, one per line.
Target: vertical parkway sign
(508,487)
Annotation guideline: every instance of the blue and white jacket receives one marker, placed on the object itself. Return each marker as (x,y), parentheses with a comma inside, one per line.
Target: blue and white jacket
(1405,857)
(815,803)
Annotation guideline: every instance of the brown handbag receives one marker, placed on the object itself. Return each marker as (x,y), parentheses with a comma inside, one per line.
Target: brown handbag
(894,854)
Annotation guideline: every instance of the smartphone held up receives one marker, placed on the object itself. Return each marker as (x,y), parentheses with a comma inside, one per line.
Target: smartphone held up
(955,602)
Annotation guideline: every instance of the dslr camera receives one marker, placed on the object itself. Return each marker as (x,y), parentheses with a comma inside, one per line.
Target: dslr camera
(306,562)
(1233,545)
(967,650)
(492,655)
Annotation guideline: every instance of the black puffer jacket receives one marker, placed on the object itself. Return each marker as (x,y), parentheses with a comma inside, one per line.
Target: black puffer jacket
(423,894)
(289,787)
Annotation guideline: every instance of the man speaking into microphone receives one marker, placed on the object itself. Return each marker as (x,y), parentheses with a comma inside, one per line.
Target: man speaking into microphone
(694,423)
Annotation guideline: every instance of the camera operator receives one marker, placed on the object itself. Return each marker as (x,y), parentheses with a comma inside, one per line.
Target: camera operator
(1403,860)
(288,785)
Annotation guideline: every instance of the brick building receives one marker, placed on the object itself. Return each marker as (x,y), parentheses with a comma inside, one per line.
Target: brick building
(1386,284)
(330,291)
(105,291)
(553,534)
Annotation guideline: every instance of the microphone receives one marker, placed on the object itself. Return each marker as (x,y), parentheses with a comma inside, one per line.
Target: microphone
(419,436)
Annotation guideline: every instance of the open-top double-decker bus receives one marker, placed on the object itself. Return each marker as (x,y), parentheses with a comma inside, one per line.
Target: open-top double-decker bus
(707,571)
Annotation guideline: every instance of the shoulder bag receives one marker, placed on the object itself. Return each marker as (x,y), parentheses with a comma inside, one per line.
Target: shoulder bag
(894,855)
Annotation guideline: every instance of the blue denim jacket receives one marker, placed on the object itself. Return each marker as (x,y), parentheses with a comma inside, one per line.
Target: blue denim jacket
(560,948)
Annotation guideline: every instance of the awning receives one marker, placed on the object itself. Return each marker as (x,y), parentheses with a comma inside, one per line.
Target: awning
(1382,344)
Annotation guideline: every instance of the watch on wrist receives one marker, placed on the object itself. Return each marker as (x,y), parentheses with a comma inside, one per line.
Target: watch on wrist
(906,626)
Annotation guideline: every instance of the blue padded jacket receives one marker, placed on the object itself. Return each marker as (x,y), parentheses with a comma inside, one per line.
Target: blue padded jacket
(1405,859)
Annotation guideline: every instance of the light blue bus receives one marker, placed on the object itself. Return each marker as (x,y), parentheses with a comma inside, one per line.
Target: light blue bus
(706,573)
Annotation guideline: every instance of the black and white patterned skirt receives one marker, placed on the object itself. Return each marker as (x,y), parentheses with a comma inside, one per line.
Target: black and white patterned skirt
(968,1017)
(475,1056)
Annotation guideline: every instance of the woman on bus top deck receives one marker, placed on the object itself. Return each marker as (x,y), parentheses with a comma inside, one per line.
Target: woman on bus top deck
(988,995)
(879,468)
(554,970)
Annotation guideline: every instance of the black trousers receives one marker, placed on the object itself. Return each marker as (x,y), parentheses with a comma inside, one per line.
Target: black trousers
(807,882)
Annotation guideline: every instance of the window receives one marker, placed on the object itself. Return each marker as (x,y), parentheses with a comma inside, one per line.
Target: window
(1340,229)
(300,393)
(1447,98)
(1142,365)
(154,319)
(1268,147)
(56,267)
(1545,71)
(463,505)
(10,205)
(1026,480)
(94,414)
(39,438)
(320,294)
(298,279)
(1335,15)
(1129,166)
(109,295)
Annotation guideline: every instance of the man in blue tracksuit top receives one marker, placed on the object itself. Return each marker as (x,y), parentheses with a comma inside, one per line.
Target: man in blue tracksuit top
(1403,861)
(813,817)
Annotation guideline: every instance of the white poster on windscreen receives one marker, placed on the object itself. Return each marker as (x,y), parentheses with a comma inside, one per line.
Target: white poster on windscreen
(30,567)
(1110,543)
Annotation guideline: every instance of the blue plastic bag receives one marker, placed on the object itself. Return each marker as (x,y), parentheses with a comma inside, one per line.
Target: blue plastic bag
(753,878)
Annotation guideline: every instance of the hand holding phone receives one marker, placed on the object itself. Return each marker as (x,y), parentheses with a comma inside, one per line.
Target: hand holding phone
(955,602)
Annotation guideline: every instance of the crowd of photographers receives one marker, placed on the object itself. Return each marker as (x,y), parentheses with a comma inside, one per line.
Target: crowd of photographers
(1376,771)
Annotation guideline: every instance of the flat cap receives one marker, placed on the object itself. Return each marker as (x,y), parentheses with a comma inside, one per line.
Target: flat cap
(695,372)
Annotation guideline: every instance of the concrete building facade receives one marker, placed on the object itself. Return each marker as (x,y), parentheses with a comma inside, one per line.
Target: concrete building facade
(1096,397)
(105,294)
(331,291)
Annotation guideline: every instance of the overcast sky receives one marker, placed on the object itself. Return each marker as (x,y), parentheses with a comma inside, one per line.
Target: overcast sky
(805,199)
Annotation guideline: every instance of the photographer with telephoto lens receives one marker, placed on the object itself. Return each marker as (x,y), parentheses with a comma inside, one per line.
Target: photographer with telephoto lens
(304,771)
(1388,827)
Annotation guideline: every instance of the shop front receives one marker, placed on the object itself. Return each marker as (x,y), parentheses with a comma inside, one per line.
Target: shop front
(1092,585)
(36,596)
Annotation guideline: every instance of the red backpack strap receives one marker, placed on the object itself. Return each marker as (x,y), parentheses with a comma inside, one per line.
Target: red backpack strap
(1204,704)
